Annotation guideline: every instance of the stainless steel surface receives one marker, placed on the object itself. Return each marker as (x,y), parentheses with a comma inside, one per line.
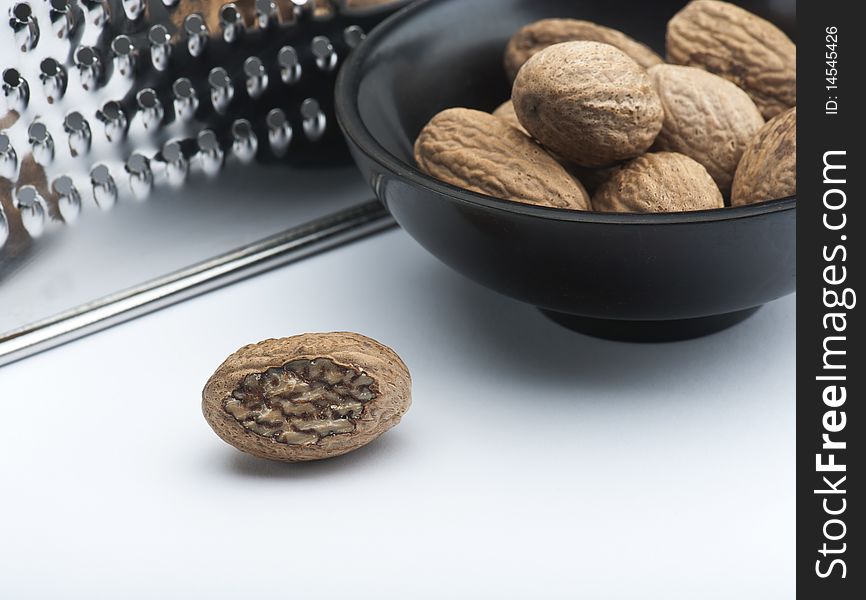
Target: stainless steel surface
(231,22)
(107,103)
(135,242)
(221,89)
(135,66)
(294,244)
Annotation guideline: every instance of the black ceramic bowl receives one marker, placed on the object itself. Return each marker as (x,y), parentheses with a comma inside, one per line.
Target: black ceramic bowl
(640,276)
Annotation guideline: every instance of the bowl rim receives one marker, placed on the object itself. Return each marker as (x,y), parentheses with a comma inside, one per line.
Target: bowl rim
(354,128)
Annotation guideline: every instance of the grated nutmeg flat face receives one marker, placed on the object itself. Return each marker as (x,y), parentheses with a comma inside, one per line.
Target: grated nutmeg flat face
(303,401)
(307,397)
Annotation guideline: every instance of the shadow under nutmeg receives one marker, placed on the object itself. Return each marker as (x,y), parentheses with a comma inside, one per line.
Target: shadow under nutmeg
(238,464)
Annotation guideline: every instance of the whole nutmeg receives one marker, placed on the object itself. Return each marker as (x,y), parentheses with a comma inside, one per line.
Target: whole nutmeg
(659,182)
(593,179)
(768,169)
(307,397)
(589,178)
(739,46)
(482,153)
(589,103)
(535,37)
(706,118)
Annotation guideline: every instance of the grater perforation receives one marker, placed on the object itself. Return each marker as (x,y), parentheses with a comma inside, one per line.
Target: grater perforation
(108,99)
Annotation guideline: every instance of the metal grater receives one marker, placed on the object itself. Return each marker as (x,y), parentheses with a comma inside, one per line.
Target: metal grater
(107,100)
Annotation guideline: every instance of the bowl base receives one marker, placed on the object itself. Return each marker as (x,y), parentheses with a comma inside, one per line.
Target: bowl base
(650,331)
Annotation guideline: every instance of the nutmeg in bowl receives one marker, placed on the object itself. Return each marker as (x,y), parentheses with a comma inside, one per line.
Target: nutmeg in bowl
(633,275)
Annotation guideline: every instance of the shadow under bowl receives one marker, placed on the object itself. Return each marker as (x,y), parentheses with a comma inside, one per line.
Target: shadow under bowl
(629,276)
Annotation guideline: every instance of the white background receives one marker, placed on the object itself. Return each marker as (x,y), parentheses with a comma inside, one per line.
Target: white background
(534,462)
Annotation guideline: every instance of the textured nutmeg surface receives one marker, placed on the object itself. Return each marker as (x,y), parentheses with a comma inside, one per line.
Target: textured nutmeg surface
(659,182)
(307,397)
(768,168)
(589,103)
(740,46)
(535,37)
(477,151)
(590,179)
(505,111)
(707,118)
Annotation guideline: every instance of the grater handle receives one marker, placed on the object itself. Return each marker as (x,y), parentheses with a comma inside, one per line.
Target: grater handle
(294,244)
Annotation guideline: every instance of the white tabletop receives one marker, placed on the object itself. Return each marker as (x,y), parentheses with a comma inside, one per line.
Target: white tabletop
(534,462)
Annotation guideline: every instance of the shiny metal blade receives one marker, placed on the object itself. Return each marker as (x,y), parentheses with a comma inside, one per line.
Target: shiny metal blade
(32,209)
(68,198)
(279,132)
(244,141)
(195,29)
(290,66)
(16,90)
(8,158)
(315,120)
(290,246)
(78,130)
(24,26)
